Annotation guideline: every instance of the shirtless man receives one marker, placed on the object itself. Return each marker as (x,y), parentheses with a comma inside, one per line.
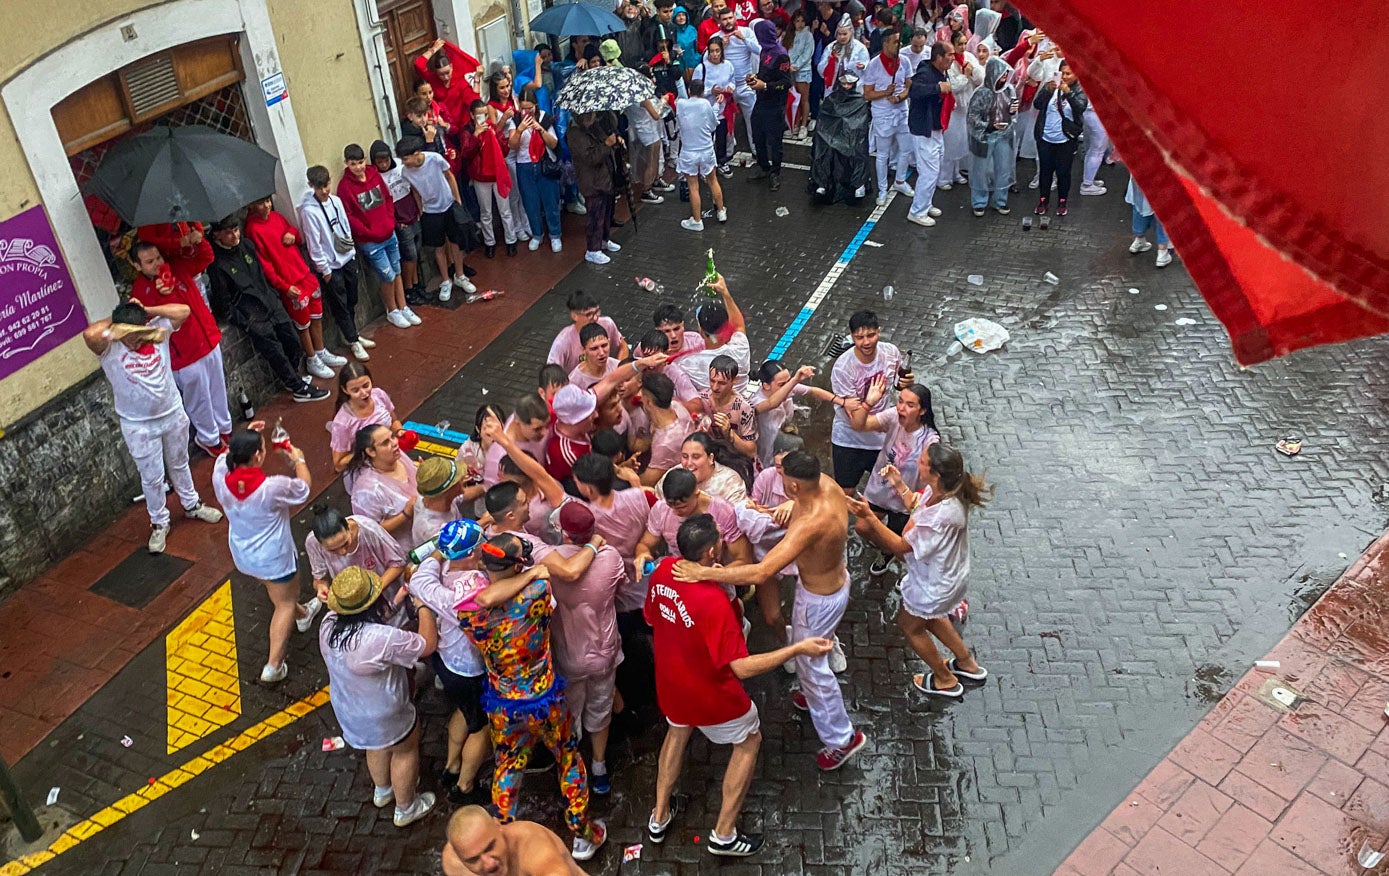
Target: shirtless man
(478,846)
(815,539)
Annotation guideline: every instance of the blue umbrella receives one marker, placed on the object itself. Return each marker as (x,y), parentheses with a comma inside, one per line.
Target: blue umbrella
(577,18)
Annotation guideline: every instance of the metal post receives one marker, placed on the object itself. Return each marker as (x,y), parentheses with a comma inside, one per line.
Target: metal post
(14,801)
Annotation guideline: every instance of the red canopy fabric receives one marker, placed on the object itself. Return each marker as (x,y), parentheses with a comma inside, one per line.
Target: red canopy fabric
(1261,153)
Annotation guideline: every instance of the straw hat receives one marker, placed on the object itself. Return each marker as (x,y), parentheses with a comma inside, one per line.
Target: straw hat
(435,475)
(354,590)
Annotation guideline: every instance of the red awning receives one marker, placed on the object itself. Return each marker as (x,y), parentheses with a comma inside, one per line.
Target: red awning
(1261,148)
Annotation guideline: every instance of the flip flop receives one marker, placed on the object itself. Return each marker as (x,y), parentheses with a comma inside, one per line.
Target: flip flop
(954,665)
(923,683)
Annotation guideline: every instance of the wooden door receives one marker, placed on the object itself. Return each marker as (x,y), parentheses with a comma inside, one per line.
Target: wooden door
(409,31)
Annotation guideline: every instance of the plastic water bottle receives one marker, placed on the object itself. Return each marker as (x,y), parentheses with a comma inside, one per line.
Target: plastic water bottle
(954,349)
(887,293)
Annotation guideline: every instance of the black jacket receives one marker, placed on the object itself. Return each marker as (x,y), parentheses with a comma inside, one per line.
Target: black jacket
(1071,122)
(240,292)
(924,100)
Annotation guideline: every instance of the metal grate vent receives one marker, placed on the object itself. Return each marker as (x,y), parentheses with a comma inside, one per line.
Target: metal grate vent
(152,85)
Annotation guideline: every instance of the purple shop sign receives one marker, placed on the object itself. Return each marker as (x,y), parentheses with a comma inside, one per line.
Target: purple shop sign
(39,307)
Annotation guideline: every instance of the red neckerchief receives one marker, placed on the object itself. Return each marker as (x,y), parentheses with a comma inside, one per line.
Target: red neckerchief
(830,67)
(244,481)
(537,145)
(890,65)
(947,105)
(492,160)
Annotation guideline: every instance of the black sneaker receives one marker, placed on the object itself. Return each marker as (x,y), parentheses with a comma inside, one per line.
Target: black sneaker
(775,184)
(476,796)
(469,271)
(725,170)
(652,198)
(658,833)
(879,567)
(740,846)
(414,296)
(308,393)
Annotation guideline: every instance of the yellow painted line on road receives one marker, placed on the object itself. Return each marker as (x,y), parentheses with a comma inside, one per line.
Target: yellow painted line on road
(202,687)
(113,814)
(437,449)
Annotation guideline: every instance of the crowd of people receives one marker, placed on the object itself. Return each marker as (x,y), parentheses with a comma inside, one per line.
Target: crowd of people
(594,550)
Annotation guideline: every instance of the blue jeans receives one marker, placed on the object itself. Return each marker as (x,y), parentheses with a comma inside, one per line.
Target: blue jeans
(1142,223)
(991,174)
(384,258)
(540,195)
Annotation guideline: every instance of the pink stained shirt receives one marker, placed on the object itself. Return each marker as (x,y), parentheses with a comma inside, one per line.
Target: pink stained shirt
(492,459)
(342,429)
(622,525)
(584,624)
(376,551)
(664,522)
(427,523)
(582,379)
(768,489)
(380,496)
(566,351)
(666,442)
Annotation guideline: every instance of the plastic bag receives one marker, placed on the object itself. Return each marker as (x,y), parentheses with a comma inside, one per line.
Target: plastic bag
(981,335)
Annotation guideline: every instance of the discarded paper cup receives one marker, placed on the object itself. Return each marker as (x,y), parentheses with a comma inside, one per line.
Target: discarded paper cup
(1051,278)
(334,743)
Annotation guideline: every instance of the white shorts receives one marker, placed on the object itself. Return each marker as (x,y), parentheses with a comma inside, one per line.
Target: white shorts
(695,163)
(730,732)
(590,701)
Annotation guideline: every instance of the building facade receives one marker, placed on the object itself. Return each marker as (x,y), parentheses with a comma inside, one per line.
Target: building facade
(300,78)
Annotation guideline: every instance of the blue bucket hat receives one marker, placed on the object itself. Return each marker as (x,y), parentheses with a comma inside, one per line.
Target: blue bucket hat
(459,538)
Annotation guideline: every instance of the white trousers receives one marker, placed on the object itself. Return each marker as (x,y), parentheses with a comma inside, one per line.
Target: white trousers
(520,224)
(928,155)
(203,386)
(1025,144)
(815,615)
(486,193)
(745,97)
(160,447)
(1096,144)
(895,148)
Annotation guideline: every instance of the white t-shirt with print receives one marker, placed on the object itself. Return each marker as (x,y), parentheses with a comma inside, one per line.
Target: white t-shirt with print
(428,179)
(850,378)
(142,382)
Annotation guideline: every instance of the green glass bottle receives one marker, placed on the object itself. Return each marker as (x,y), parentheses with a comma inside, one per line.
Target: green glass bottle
(711,275)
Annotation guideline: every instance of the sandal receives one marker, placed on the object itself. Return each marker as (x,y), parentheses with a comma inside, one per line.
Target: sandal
(922,682)
(954,665)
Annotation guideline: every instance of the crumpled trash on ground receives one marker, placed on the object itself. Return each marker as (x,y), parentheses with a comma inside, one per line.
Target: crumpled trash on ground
(981,335)
(783,212)
(975,279)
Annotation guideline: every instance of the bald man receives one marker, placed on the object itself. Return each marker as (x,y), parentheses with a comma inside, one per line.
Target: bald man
(478,846)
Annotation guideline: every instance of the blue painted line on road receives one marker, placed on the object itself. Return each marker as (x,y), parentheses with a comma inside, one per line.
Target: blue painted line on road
(436,432)
(841,264)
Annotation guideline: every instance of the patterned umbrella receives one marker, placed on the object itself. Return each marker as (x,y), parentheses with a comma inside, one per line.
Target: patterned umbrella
(604,89)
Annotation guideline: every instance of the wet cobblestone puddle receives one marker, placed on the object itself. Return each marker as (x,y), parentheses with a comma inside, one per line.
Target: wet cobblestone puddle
(1144,545)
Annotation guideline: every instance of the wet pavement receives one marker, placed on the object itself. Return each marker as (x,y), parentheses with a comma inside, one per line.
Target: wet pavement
(1144,546)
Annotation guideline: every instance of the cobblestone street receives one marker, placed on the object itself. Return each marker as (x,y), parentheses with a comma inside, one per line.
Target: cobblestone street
(1144,545)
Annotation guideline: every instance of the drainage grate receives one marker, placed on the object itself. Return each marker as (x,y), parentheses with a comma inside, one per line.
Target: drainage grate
(140,577)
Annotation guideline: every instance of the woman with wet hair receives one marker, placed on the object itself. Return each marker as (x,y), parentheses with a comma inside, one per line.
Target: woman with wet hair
(337,541)
(258,507)
(384,484)
(935,544)
(697,457)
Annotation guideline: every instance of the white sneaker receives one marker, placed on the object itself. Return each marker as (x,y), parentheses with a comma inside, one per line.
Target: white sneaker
(1036,181)
(933,212)
(612,246)
(359,350)
(1139,245)
(410,315)
(274,675)
(961,181)
(382,797)
(690,224)
(721,214)
(556,245)
(584,850)
(445,290)
(1096,188)
(318,369)
(366,342)
(921,219)
(534,244)
(311,610)
(1164,257)
(882,200)
(945,186)
(203,512)
(596,257)
(159,537)
(789,665)
(332,360)
(397,319)
(523,235)
(838,662)
(418,808)
(576,208)
(465,284)
(903,189)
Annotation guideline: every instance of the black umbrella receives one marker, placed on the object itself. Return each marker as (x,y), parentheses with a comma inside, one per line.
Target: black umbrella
(187,174)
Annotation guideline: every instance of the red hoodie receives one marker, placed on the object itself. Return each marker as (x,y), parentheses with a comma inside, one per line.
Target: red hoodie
(459,94)
(283,264)
(199,334)
(370,208)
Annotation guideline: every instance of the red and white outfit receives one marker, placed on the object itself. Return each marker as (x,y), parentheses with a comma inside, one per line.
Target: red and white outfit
(285,268)
(152,420)
(196,356)
(258,510)
(696,637)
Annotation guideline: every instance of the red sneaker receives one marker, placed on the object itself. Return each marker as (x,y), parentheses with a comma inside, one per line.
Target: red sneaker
(834,758)
(798,700)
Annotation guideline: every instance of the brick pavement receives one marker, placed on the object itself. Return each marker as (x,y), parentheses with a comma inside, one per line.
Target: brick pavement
(1145,543)
(1260,787)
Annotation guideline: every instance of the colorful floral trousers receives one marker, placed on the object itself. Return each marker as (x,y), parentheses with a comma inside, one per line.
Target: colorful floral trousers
(515,733)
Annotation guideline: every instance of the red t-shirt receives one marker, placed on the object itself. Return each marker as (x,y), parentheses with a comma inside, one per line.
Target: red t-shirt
(695,637)
(561,453)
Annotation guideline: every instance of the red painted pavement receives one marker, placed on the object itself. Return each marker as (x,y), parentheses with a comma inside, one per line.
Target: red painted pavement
(1257,791)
